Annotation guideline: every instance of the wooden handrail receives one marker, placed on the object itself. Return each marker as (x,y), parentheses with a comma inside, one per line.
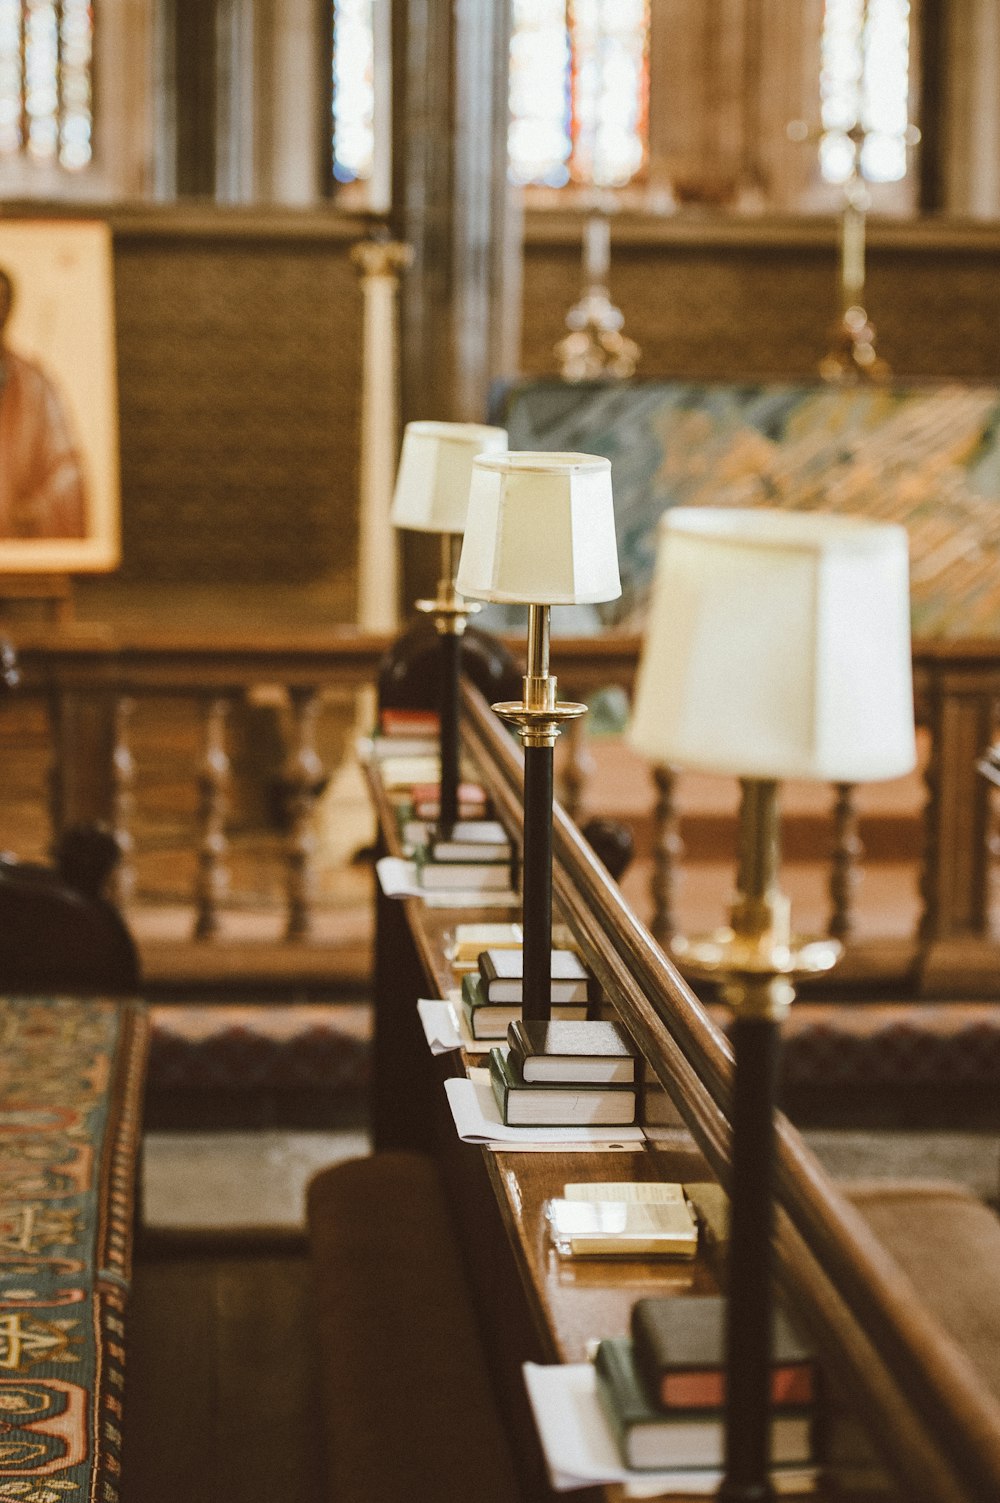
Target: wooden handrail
(937,1423)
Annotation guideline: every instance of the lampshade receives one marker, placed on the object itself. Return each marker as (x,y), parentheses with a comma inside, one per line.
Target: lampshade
(540,530)
(435,469)
(778,646)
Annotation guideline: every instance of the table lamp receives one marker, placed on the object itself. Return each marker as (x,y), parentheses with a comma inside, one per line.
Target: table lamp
(432,495)
(540,532)
(778,646)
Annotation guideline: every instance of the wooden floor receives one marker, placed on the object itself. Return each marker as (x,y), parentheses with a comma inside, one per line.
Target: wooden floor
(221,1394)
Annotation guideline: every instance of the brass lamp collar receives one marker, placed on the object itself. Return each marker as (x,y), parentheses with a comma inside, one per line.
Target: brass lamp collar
(449,612)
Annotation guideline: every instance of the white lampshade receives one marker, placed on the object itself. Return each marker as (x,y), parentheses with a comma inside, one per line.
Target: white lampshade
(435,470)
(778,646)
(540,530)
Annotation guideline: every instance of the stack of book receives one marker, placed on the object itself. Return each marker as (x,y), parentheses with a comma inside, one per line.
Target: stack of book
(565,1074)
(492,995)
(663,1391)
(425,797)
(476,855)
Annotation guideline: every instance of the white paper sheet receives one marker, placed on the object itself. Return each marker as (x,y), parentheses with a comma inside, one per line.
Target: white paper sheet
(580,1450)
(398,879)
(477,1118)
(445,1028)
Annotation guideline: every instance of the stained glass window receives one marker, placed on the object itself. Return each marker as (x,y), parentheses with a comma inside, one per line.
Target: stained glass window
(46,60)
(578,91)
(353,90)
(864,89)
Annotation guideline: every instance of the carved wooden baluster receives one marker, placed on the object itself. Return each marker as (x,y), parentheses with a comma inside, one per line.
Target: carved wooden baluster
(848,850)
(578,769)
(993,840)
(668,852)
(212,881)
(303,777)
(122,797)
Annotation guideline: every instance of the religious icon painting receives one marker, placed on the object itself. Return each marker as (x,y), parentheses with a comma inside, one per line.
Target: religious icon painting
(59,488)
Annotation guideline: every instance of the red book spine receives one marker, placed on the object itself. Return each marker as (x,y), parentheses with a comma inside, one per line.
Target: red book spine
(705,1388)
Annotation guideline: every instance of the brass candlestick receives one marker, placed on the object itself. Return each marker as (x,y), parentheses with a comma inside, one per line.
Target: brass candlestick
(539,718)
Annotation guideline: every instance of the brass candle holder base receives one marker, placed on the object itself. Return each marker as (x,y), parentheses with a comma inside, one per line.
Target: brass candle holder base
(753,975)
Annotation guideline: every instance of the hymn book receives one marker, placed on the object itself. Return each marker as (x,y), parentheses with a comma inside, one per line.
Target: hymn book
(502,973)
(550,1105)
(613,1228)
(587,1052)
(472,939)
(490,1020)
(680,1352)
(650,1440)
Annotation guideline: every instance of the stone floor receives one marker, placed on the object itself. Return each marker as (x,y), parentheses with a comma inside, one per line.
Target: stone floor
(229,1180)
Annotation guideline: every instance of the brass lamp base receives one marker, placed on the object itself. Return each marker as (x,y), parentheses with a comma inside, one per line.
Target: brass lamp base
(752,976)
(450,615)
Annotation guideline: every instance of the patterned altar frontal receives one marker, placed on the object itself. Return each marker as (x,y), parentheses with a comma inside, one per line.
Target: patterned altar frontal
(70,1093)
(927,457)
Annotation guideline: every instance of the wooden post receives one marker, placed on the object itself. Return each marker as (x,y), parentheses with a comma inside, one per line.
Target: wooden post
(954,925)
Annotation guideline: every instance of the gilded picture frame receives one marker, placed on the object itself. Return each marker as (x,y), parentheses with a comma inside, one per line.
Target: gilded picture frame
(59,453)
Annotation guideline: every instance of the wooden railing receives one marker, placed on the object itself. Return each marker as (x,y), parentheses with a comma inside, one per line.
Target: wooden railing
(94,686)
(933,1418)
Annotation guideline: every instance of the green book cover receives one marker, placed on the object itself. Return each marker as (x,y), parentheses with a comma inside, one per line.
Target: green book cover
(649,1440)
(557,1105)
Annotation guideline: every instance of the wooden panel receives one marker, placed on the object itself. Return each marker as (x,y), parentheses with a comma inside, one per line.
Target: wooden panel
(239,374)
(222,1388)
(753,301)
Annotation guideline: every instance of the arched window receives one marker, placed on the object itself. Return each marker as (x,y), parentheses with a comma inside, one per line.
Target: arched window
(864,90)
(46,60)
(353,90)
(579,90)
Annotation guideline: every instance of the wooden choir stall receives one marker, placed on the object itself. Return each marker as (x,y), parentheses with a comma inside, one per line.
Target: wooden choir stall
(909,1375)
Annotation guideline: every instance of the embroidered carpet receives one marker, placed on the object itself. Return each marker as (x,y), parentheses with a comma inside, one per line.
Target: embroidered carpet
(71,1076)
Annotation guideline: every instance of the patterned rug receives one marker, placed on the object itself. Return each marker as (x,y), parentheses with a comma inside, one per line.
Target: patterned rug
(71,1075)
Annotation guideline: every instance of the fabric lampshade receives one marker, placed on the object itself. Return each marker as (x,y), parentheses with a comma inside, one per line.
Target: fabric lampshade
(778,646)
(435,469)
(540,530)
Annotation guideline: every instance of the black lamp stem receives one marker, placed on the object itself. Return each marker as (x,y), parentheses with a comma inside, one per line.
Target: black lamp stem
(536,883)
(450,666)
(450,625)
(756,1045)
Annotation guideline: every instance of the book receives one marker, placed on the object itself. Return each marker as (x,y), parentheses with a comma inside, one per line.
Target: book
(471,876)
(490,1020)
(502,973)
(472,801)
(680,1352)
(557,1105)
(643,1191)
(618,1228)
(472,939)
(471,840)
(587,1053)
(409,723)
(650,1440)
(476,837)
